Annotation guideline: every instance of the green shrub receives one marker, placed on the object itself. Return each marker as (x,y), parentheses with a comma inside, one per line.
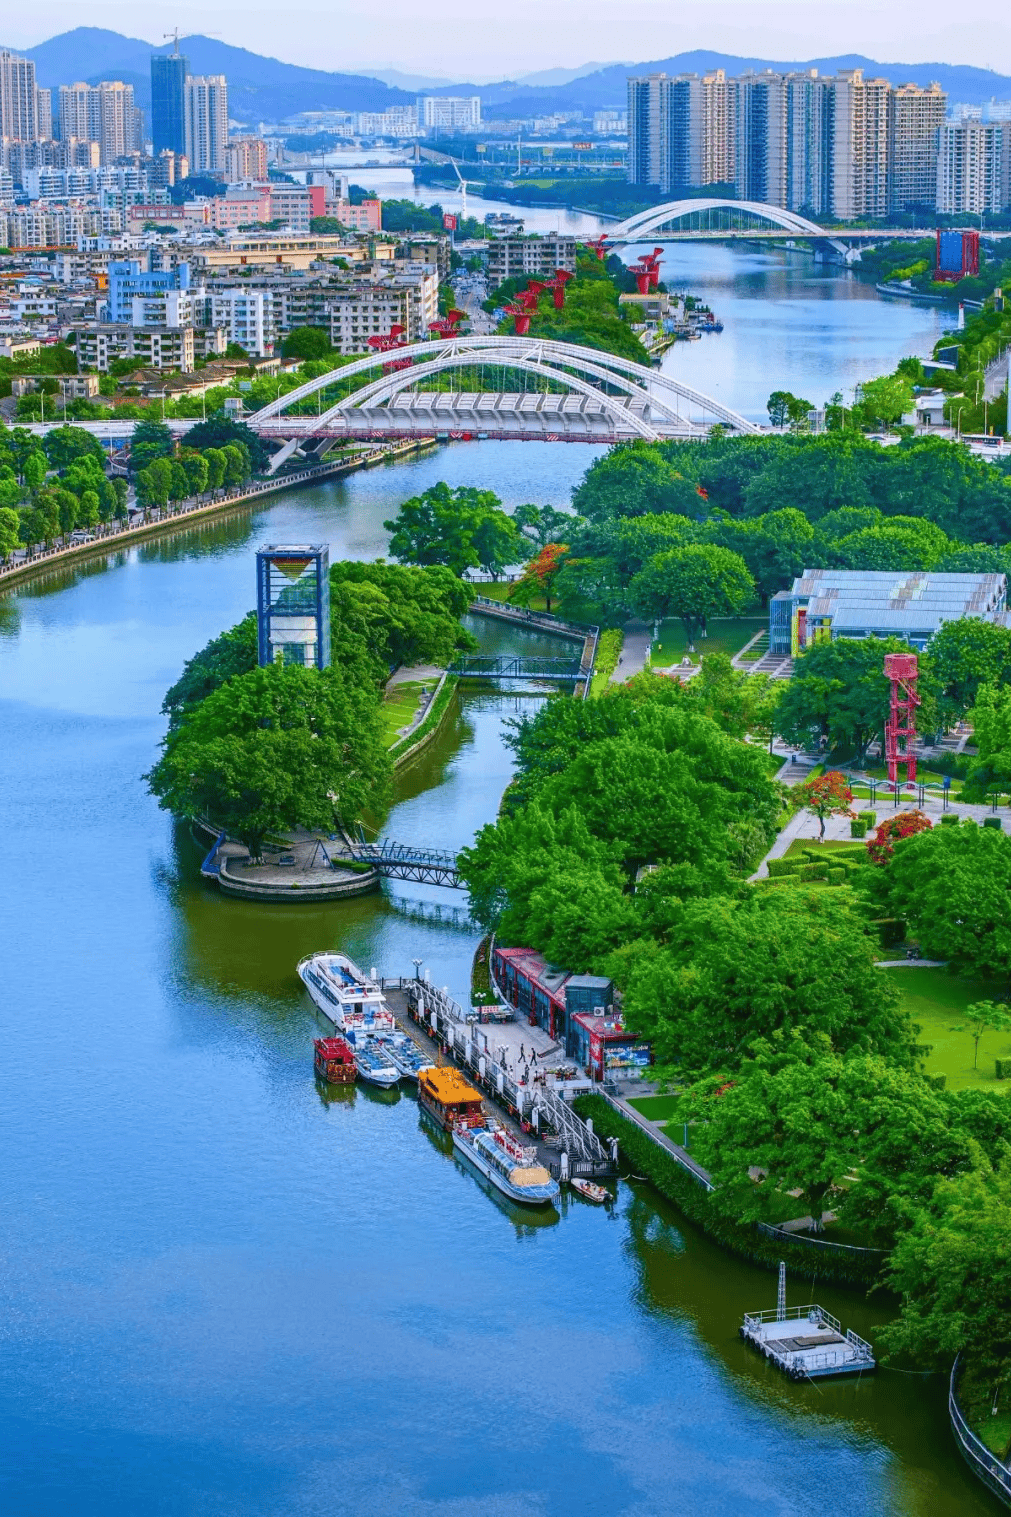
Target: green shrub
(1003,1069)
(949,819)
(992,821)
(858,827)
(937,1081)
(778,868)
(813,872)
(837,876)
(872,819)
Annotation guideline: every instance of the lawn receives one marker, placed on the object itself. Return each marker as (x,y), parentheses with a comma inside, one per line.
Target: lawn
(655,1108)
(937,1000)
(727,634)
(398,709)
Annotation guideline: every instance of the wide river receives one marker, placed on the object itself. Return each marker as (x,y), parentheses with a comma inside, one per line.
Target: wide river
(223,1293)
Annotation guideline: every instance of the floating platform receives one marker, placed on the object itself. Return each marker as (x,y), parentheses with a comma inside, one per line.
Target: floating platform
(807,1342)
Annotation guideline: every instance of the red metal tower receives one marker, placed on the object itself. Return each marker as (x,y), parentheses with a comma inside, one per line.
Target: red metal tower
(901,671)
(521,318)
(652,263)
(448,325)
(599,246)
(641,273)
(557,286)
(386,344)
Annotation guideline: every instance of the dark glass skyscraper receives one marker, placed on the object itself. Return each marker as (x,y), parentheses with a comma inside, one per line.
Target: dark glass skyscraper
(168,101)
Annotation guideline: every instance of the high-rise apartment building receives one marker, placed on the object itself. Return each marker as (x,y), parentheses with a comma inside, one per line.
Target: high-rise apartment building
(168,102)
(917,116)
(245,158)
(449,111)
(44,115)
(104,113)
(844,148)
(973,167)
(206,123)
(19,99)
(760,170)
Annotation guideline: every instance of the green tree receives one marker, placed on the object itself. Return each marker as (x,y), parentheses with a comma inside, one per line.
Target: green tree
(216,465)
(839,692)
(693,583)
(442,526)
(197,472)
(63,445)
(236,464)
(151,440)
(154,483)
(306,342)
(981,1017)
(274,749)
(35,471)
(543,523)
(232,652)
(968,653)
(952,886)
(180,487)
(633,479)
(88,515)
(778,407)
(10,531)
(886,399)
(218,431)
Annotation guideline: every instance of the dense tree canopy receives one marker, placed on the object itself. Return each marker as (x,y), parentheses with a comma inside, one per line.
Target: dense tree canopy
(462,528)
(839,693)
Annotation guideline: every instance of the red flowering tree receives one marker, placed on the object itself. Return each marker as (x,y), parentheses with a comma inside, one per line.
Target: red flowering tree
(538,577)
(828,795)
(904,824)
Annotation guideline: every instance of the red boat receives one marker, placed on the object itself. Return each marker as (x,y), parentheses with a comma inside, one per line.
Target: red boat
(334,1061)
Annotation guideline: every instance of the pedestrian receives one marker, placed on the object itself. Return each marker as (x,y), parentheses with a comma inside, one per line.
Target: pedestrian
(522,1054)
(533,1057)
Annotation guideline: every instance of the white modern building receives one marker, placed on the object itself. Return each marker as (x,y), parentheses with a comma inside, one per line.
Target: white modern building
(449,112)
(206,108)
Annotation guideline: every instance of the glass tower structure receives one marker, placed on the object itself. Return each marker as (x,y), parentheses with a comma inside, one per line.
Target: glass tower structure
(168,101)
(293,605)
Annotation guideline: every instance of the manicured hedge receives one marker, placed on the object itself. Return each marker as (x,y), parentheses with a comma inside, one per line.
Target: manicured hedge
(949,819)
(1003,1069)
(992,821)
(649,1160)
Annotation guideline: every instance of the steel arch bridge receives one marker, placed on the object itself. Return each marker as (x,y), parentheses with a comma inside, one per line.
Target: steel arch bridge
(604,398)
(718,219)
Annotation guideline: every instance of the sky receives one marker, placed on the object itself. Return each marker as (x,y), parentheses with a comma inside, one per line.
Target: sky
(471,40)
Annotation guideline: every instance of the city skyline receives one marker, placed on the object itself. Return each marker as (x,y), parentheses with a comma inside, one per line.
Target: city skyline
(791,32)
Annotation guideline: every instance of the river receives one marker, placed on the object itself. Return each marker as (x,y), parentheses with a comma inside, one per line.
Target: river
(225,1294)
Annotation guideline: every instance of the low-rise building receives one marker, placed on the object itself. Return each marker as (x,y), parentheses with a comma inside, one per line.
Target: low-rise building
(824,604)
(100,343)
(512,257)
(365,311)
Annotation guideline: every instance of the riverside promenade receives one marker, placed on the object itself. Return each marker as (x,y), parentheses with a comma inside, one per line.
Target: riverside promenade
(117,534)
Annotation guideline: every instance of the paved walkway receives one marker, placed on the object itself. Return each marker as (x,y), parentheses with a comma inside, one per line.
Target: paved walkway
(634,651)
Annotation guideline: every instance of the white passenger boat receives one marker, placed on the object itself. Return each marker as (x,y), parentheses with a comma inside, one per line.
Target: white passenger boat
(352,1001)
(372,1061)
(515,1170)
(405,1054)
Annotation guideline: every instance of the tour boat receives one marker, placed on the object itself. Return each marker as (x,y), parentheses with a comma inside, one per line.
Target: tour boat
(372,1061)
(405,1054)
(591,1192)
(352,1001)
(448,1097)
(515,1170)
(334,1061)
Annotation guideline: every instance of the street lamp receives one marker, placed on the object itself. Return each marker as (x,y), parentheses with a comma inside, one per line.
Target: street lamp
(417,967)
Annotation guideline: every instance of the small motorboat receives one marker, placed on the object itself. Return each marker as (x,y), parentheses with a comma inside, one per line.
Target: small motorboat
(591,1192)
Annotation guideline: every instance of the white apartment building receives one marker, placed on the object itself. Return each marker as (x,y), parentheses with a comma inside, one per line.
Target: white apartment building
(246,316)
(356,314)
(448,112)
(19,99)
(398,121)
(513,256)
(973,167)
(917,116)
(104,113)
(206,122)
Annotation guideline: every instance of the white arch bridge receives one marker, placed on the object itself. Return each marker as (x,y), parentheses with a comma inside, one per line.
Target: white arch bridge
(577,394)
(713,219)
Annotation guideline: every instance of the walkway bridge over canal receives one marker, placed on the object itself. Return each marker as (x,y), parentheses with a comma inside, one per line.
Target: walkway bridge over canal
(470,387)
(514,666)
(406,861)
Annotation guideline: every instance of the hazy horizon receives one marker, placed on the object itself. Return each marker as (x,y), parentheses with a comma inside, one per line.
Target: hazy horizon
(528,37)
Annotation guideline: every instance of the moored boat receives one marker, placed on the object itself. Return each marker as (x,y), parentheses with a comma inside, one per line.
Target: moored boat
(450,1098)
(372,1061)
(591,1192)
(334,1061)
(351,1000)
(514,1169)
(405,1054)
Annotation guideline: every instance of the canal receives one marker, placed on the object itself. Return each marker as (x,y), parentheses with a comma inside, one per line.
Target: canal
(224,1293)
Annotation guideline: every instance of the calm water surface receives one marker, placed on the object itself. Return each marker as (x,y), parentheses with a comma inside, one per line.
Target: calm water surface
(222,1293)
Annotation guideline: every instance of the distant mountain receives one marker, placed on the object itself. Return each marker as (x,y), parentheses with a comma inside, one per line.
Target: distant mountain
(607,87)
(266,89)
(258,88)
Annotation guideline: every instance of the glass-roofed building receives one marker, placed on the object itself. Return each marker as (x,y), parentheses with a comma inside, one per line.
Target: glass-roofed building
(828,603)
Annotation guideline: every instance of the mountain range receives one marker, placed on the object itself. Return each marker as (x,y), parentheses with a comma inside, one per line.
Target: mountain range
(265,89)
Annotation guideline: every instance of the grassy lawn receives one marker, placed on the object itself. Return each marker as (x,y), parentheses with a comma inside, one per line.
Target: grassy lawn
(760,649)
(655,1108)
(799,847)
(936,1000)
(727,634)
(398,709)
(499,590)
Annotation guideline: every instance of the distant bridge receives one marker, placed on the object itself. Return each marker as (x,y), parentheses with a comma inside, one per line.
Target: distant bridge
(510,666)
(596,397)
(719,220)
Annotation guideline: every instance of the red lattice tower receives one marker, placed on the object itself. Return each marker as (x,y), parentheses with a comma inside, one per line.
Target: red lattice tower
(448,325)
(901,671)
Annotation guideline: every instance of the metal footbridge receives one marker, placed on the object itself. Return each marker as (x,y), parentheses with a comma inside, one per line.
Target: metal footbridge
(406,861)
(481,666)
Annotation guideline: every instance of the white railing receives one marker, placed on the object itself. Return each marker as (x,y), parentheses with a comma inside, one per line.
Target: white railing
(983,1463)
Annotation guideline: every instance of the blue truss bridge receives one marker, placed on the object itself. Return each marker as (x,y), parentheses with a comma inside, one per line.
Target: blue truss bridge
(515,667)
(406,861)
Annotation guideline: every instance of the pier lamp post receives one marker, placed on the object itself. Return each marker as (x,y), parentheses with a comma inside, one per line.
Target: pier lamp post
(417,967)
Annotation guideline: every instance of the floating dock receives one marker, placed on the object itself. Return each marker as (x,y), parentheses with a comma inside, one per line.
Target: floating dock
(807,1343)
